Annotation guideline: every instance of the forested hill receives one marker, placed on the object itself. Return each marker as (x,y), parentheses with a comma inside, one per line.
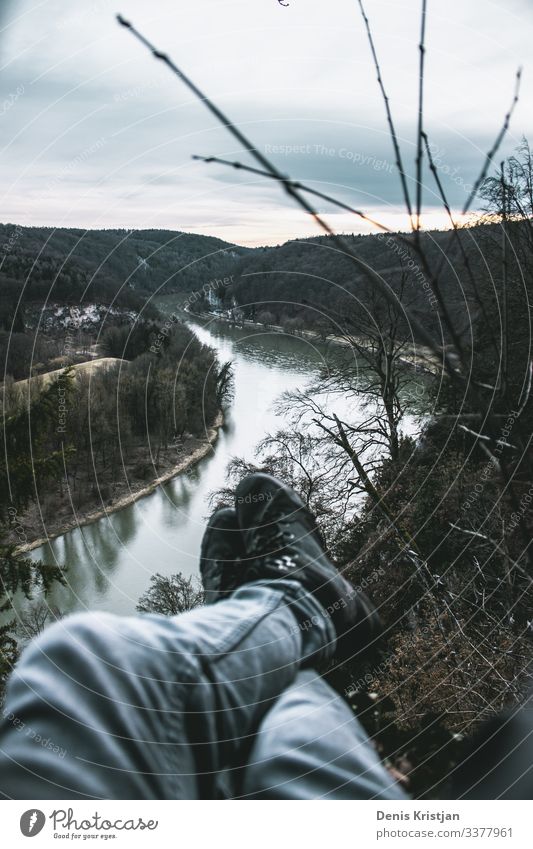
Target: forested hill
(295,282)
(304,281)
(74,266)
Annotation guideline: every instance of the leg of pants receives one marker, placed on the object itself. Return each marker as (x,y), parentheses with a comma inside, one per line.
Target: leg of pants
(311,746)
(151,707)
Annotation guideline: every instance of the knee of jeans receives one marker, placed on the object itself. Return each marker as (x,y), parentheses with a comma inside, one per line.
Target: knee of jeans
(85,646)
(60,654)
(67,639)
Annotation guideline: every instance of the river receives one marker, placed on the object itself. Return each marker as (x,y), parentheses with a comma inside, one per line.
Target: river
(109,563)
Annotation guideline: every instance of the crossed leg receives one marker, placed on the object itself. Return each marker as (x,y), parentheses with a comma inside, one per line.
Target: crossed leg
(151,707)
(311,746)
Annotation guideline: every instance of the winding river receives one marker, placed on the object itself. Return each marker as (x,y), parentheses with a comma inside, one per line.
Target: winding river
(110,561)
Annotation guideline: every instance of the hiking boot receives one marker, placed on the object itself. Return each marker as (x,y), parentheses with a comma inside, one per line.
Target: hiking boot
(220,555)
(282,540)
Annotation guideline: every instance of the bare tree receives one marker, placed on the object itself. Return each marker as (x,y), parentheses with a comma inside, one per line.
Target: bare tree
(170,595)
(35,618)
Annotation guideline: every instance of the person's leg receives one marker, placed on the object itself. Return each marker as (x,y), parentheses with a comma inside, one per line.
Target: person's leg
(311,746)
(109,707)
(152,707)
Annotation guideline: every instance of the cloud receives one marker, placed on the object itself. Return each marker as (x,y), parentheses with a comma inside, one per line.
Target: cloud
(102,133)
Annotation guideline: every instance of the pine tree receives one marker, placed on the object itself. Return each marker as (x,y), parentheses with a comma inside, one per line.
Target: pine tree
(31,453)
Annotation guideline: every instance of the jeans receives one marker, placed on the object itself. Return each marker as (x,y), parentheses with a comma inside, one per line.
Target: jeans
(222,700)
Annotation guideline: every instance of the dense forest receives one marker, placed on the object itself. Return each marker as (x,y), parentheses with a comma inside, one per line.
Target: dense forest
(308,283)
(125,421)
(72,266)
(43,269)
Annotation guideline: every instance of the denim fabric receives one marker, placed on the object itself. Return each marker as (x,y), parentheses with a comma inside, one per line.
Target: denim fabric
(152,707)
(311,746)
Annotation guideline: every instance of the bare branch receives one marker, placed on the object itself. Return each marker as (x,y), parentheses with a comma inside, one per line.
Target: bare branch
(494,149)
(296,185)
(420,149)
(394,137)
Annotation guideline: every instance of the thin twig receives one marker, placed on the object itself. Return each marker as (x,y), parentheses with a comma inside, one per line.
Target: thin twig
(486,438)
(420,149)
(524,397)
(433,169)
(505,347)
(494,149)
(459,241)
(433,277)
(394,137)
(239,166)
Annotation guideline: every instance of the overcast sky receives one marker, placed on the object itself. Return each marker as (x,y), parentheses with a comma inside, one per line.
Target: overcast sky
(96,133)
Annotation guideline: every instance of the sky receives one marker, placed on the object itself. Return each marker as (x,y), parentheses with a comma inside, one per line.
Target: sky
(96,133)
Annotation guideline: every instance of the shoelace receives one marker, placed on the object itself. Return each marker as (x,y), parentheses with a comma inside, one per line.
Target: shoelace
(270,538)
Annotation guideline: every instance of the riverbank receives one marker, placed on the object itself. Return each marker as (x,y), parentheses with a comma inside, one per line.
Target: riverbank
(125,493)
(418,358)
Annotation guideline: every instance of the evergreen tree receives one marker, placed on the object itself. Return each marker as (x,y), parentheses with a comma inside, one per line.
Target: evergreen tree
(25,463)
